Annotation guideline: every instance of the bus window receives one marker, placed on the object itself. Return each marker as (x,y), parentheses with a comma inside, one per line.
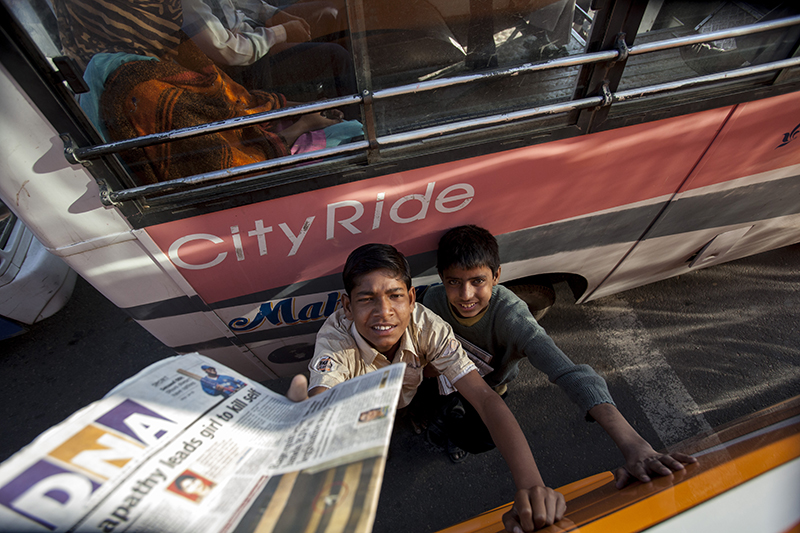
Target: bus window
(479,36)
(160,75)
(487,58)
(426,39)
(667,19)
(138,73)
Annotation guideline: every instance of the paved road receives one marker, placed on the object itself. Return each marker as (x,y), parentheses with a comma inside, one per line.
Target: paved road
(681,355)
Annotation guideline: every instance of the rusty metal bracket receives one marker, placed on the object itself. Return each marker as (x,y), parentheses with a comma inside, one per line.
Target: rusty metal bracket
(622,48)
(69,151)
(105,193)
(608,98)
(370,132)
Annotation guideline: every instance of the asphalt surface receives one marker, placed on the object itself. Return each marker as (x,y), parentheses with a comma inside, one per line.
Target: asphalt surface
(680,356)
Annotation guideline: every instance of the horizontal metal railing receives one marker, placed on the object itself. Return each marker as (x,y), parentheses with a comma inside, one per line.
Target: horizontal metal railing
(630,94)
(236,172)
(719,35)
(77,155)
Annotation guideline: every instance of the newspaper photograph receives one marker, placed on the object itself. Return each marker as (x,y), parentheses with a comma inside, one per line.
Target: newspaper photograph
(188,445)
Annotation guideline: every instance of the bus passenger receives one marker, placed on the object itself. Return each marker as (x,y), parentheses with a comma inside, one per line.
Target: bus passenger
(266,48)
(380,324)
(130,69)
(494,319)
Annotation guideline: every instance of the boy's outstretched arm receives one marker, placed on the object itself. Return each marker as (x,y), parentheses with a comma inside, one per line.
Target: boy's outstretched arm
(535,506)
(641,460)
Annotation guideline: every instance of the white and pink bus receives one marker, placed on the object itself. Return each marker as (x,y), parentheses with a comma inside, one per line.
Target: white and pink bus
(607,144)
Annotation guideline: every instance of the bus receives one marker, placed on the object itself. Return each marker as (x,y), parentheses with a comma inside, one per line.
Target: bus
(606,143)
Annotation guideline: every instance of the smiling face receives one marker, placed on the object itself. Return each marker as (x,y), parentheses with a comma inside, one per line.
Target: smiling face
(469,289)
(380,306)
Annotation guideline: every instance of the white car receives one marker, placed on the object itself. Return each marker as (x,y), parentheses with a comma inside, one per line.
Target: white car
(34,284)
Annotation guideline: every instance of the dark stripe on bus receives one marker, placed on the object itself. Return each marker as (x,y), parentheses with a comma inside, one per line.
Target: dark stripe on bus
(181,305)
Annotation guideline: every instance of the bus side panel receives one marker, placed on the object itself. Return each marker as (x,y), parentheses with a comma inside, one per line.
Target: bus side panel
(271,270)
(760,137)
(276,243)
(743,199)
(59,202)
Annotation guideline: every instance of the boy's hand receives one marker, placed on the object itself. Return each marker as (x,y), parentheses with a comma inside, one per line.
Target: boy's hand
(643,461)
(298,389)
(534,508)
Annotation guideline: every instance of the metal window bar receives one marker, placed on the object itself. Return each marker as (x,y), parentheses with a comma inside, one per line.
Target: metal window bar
(585,14)
(632,94)
(714,36)
(79,155)
(229,173)
(456,127)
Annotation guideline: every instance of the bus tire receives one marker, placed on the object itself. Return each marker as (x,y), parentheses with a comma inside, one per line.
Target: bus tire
(539,296)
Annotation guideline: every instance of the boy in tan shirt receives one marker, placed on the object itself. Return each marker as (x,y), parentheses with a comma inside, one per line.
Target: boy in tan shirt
(381,323)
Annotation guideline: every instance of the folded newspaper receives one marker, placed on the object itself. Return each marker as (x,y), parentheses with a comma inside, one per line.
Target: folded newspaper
(188,445)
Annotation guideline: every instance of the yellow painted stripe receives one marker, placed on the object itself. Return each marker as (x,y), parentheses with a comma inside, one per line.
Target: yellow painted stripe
(697,489)
(674,495)
(370,506)
(315,513)
(767,503)
(489,521)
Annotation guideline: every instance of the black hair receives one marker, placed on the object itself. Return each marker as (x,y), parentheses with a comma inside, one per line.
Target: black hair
(371,257)
(468,247)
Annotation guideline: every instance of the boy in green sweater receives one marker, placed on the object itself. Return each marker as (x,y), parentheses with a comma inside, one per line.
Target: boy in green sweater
(494,319)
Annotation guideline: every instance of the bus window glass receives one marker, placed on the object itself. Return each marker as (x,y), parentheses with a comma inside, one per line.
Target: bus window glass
(155,67)
(38,19)
(668,19)
(409,42)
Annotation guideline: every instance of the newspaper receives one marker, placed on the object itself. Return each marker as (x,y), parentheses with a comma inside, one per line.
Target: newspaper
(188,445)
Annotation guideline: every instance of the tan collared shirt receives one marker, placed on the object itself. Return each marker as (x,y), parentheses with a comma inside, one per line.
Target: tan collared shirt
(341,353)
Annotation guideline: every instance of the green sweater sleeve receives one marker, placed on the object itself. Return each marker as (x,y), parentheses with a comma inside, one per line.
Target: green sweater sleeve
(585,387)
(509,332)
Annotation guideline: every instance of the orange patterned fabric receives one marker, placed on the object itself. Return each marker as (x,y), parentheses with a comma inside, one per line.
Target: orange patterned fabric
(145,97)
